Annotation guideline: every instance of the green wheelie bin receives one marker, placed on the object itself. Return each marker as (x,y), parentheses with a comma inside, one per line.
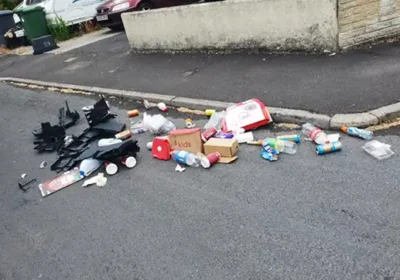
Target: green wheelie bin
(34,22)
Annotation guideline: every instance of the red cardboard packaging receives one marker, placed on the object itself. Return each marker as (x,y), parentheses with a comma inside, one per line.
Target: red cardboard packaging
(161,148)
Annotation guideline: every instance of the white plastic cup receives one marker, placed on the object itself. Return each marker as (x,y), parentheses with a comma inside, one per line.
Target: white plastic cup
(111,168)
(129,161)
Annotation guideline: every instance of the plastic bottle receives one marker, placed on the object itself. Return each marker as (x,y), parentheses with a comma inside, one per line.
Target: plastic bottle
(89,165)
(186,158)
(354,131)
(315,133)
(282,146)
(216,120)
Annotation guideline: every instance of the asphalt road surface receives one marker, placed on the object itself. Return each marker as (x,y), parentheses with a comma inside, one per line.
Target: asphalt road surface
(302,217)
(345,83)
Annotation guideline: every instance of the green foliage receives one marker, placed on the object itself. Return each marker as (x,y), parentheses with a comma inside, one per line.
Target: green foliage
(8,4)
(59,29)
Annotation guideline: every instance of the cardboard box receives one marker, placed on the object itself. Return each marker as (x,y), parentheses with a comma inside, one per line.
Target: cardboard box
(249,115)
(226,147)
(186,139)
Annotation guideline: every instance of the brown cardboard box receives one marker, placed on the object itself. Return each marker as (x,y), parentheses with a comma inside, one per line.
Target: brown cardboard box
(226,147)
(186,139)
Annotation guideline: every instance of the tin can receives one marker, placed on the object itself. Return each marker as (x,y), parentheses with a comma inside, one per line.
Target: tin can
(209,112)
(189,123)
(210,159)
(133,113)
(291,137)
(208,133)
(124,134)
(111,168)
(129,161)
(328,148)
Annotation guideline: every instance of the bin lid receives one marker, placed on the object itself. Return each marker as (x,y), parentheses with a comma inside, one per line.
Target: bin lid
(30,9)
(5,13)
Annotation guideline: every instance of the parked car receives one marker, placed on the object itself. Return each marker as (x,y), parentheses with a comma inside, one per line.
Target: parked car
(71,11)
(109,13)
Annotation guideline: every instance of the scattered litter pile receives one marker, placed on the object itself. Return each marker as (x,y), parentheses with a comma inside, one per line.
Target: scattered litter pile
(220,139)
(107,143)
(218,143)
(104,143)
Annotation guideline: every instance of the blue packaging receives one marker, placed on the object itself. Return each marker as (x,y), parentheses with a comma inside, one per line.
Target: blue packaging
(269,153)
(224,135)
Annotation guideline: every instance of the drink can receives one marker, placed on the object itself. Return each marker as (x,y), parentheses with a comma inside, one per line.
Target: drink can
(133,113)
(210,159)
(129,161)
(208,134)
(329,148)
(189,123)
(124,134)
(291,137)
(209,112)
(111,168)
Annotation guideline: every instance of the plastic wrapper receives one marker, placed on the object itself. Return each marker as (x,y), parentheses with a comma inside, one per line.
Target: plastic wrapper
(378,149)
(216,120)
(157,124)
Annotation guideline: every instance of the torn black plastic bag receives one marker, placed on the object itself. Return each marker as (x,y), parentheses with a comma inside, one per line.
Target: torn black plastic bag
(70,151)
(97,113)
(67,118)
(126,148)
(49,138)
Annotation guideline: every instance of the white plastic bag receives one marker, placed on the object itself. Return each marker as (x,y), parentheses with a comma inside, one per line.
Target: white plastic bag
(157,124)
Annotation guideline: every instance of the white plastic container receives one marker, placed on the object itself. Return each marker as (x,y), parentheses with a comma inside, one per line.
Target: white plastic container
(378,149)
(245,137)
(89,165)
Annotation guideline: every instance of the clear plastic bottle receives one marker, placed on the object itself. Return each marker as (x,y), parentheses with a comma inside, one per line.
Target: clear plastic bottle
(315,133)
(282,146)
(354,131)
(89,165)
(216,120)
(186,158)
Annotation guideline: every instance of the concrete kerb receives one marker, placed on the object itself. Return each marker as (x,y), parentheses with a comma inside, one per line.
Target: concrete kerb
(278,114)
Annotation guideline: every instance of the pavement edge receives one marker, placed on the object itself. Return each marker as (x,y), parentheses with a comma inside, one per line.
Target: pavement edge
(279,115)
